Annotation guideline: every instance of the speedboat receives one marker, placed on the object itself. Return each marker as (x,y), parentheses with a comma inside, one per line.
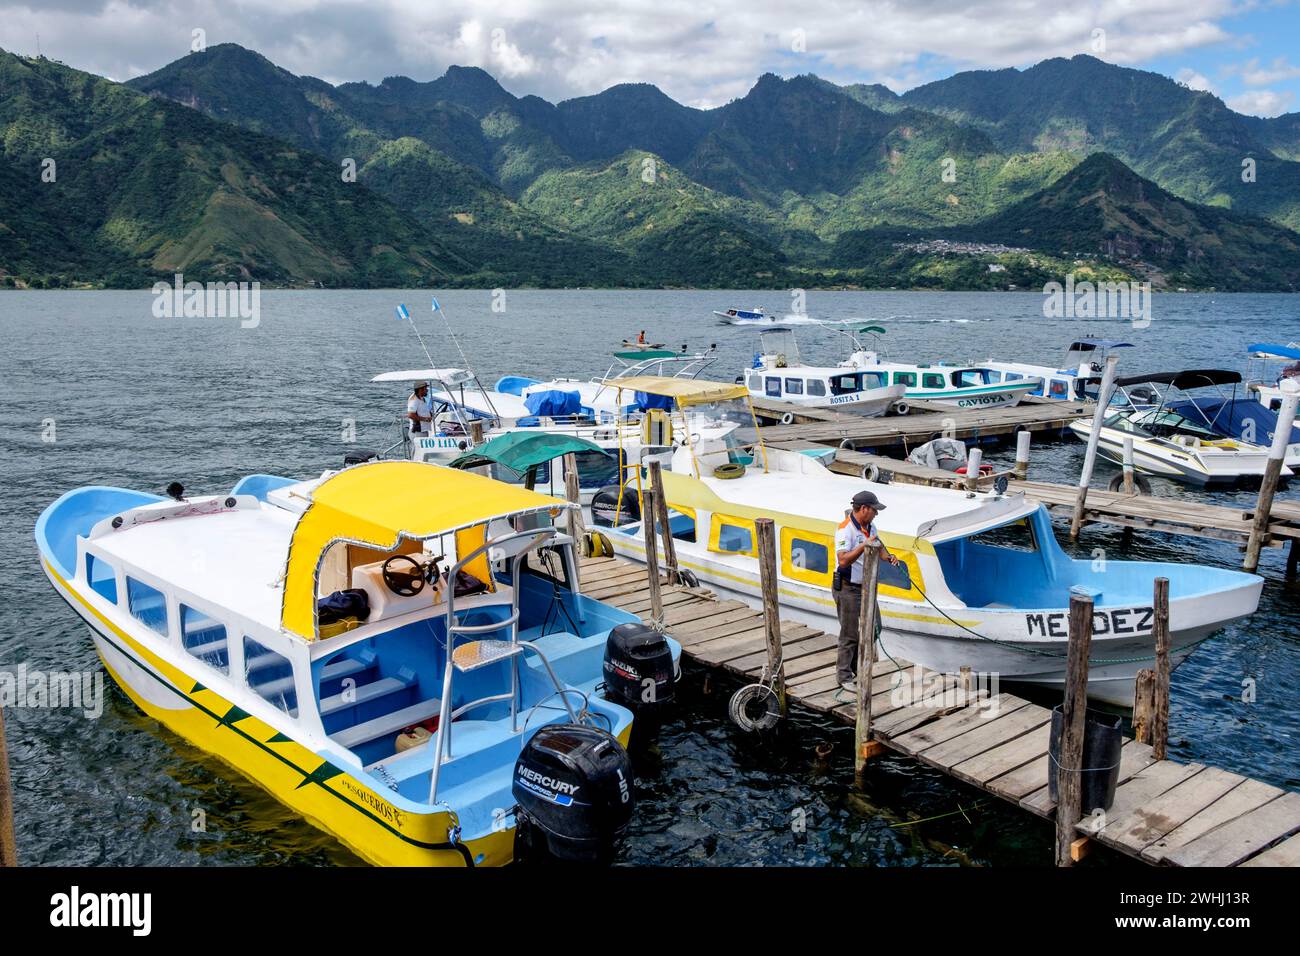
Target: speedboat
(780,374)
(1279,370)
(1084,361)
(982,580)
(1176,439)
(382,648)
(745,316)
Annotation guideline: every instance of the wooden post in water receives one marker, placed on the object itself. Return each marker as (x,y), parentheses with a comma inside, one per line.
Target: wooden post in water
(1090,459)
(476,432)
(864,747)
(973,469)
(1022,454)
(766,533)
(1144,705)
(1268,487)
(573,492)
(8,846)
(1160,705)
(1069,780)
(661,516)
(651,556)
(1129,483)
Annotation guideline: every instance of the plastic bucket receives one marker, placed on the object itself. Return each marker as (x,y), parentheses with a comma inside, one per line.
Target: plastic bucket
(1102,741)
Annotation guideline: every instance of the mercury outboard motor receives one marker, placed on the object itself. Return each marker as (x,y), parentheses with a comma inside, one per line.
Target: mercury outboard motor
(639,674)
(605,509)
(573,786)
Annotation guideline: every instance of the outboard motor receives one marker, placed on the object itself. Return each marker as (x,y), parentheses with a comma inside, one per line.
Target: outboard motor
(573,786)
(605,509)
(639,674)
(359,456)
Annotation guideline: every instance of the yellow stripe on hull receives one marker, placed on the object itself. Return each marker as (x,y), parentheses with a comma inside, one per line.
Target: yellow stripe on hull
(328,797)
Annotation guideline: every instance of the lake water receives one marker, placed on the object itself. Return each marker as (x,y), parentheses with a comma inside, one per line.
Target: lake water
(99,391)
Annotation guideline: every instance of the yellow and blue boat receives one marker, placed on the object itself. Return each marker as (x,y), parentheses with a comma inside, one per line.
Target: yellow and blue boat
(379,647)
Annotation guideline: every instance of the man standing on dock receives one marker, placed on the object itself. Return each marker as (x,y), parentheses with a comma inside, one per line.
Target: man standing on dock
(850,542)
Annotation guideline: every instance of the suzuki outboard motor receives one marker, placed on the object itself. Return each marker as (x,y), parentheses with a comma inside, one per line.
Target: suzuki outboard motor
(639,674)
(606,511)
(573,785)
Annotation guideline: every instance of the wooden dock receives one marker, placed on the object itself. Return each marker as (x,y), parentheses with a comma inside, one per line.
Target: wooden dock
(1164,813)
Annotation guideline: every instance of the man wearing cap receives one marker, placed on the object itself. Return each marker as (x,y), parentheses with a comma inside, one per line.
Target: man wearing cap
(419,411)
(850,541)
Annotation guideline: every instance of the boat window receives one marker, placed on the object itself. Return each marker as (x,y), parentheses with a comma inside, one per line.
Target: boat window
(1125,424)
(794,386)
(1059,389)
(806,556)
(994,377)
(968,377)
(1018,536)
(147,604)
(773,387)
(816,387)
(205,638)
(102,578)
(905,378)
(930,380)
(844,384)
(596,470)
(732,536)
(874,379)
(270,676)
(1014,376)
(510,476)
(755,381)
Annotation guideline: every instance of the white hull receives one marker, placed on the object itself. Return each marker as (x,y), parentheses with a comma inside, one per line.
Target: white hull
(1196,465)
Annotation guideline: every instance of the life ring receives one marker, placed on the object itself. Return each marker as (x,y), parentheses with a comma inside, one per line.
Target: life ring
(1139,482)
(596,545)
(787,418)
(687,578)
(900,407)
(741,701)
(984,470)
(732,469)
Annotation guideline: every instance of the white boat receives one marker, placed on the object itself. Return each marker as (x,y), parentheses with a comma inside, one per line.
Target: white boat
(1176,440)
(986,583)
(1279,370)
(965,386)
(1084,361)
(780,374)
(745,316)
(301,631)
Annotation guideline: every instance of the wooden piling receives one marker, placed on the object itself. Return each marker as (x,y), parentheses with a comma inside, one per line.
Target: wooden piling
(1130,484)
(1272,473)
(1069,780)
(476,432)
(8,845)
(573,492)
(765,530)
(1159,739)
(661,517)
(1144,705)
(973,469)
(1022,454)
(651,556)
(1094,435)
(864,747)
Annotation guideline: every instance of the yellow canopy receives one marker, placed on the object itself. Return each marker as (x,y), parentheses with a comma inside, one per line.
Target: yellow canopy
(687,391)
(378,504)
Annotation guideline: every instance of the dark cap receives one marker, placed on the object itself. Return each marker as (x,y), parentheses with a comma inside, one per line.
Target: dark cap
(867,499)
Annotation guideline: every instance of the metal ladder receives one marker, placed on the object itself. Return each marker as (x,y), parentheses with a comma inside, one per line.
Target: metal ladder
(475,654)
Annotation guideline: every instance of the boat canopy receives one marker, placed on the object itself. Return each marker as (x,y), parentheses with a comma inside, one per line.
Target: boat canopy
(446,377)
(1236,418)
(1264,350)
(878,329)
(1193,378)
(378,504)
(522,450)
(686,391)
(1089,345)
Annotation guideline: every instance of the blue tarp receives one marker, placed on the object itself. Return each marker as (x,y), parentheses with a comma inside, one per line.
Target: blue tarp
(1281,351)
(645,401)
(553,402)
(1243,419)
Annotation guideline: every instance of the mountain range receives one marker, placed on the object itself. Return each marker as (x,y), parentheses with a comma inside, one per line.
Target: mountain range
(223,165)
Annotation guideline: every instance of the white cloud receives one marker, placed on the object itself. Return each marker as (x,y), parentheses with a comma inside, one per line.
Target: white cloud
(1193,80)
(1252,74)
(1262,102)
(701,52)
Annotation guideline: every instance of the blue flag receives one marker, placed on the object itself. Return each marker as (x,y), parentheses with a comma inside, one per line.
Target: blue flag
(435,305)
(403,313)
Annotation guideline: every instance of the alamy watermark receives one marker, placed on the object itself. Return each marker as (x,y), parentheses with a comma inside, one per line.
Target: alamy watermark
(25,689)
(922,688)
(1098,300)
(210,300)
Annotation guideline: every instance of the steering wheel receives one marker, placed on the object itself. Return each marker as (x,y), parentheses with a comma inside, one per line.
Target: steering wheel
(400,581)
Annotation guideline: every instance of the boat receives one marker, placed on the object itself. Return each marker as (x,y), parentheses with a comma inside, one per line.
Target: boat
(1279,370)
(303,632)
(780,374)
(745,316)
(1176,439)
(982,580)
(1076,380)
(965,386)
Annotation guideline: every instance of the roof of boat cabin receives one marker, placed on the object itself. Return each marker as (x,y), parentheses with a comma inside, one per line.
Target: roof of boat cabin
(690,391)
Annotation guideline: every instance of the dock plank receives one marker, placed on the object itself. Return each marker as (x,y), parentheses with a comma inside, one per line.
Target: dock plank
(1238,840)
(1241,799)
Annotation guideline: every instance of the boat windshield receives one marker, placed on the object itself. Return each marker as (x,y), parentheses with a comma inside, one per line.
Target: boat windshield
(967,377)
(856,382)
(1123,422)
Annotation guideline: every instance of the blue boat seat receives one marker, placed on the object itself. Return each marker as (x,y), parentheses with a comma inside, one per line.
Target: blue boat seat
(404,680)
(345,667)
(386,724)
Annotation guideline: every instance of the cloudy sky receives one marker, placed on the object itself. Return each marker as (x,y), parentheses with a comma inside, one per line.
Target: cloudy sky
(700,52)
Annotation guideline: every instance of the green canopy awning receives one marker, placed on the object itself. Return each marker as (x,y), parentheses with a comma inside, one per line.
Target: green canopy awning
(871,328)
(524,449)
